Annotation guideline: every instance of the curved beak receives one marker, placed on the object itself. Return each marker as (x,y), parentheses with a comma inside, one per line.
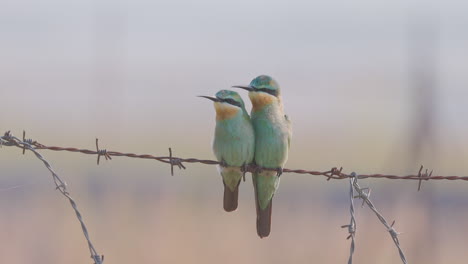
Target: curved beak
(248,88)
(214,99)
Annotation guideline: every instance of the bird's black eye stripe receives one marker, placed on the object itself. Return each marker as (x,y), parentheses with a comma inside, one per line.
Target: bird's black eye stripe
(233,102)
(268,91)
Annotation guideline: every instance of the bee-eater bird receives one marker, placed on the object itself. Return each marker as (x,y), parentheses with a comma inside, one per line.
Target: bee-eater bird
(233,143)
(272,139)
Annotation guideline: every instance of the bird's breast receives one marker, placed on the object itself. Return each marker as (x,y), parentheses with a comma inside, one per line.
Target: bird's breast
(260,100)
(225,111)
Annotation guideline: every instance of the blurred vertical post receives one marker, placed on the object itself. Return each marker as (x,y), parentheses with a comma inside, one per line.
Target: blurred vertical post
(423,89)
(110,49)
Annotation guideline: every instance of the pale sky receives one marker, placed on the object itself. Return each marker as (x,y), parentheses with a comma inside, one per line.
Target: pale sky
(117,69)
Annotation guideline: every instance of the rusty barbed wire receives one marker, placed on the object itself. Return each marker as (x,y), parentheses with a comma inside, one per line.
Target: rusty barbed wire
(333,173)
(352,223)
(365,197)
(9,140)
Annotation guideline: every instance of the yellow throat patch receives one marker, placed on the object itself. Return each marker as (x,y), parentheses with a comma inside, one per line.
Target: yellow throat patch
(225,111)
(259,100)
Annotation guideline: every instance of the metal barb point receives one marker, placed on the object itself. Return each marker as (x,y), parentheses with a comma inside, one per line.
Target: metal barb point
(423,176)
(98,259)
(11,140)
(363,195)
(101,152)
(392,231)
(27,141)
(172,164)
(62,187)
(24,139)
(333,172)
(7,135)
(351,230)
(352,224)
(175,162)
(420,178)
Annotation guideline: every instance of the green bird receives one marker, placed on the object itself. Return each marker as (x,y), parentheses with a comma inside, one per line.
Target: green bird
(233,143)
(272,139)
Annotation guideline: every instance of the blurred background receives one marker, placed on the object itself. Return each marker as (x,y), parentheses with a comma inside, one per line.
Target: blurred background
(373,86)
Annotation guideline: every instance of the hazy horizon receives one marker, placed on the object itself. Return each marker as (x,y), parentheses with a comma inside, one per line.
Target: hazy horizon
(375,87)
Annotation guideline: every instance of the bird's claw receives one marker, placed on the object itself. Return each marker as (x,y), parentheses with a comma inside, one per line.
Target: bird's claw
(258,169)
(279,171)
(244,170)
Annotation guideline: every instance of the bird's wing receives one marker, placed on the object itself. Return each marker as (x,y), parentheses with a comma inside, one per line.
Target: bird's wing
(288,122)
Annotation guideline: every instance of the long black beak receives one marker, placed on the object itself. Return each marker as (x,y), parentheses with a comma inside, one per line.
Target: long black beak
(214,99)
(248,88)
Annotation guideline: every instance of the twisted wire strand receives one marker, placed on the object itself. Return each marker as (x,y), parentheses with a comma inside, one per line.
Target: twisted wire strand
(61,186)
(393,233)
(352,224)
(334,173)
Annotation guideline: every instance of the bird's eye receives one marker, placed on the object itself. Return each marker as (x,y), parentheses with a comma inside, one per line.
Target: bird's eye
(268,91)
(233,102)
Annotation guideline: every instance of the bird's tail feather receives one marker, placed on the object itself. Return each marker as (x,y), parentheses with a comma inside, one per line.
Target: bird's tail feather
(264,221)
(263,216)
(230,198)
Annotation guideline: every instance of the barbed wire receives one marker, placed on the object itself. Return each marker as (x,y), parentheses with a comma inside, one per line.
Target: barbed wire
(333,173)
(352,223)
(365,196)
(9,140)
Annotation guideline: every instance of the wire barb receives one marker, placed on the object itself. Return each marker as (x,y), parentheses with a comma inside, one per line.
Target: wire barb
(364,195)
(24,139)
(175,162)
(352,224)
(7,135)
(101,152)
(423,176)
(9,140)
(98,259)
(334,173)
(393,233)
(27,140)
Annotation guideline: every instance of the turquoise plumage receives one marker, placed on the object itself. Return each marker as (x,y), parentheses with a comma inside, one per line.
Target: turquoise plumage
(233,143)
(272,139)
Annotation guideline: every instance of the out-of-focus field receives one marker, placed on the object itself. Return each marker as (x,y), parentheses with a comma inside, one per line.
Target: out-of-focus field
(374,87)
(142,214)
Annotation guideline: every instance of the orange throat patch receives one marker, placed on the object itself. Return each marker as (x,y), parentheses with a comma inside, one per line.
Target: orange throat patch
(225,111)
(259,100)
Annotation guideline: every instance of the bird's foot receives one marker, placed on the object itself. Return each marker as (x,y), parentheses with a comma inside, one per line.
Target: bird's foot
(279,171)
(257,168)
(244,169)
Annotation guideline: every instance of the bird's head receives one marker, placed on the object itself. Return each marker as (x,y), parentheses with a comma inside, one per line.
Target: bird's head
(227,104)
(263,90)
